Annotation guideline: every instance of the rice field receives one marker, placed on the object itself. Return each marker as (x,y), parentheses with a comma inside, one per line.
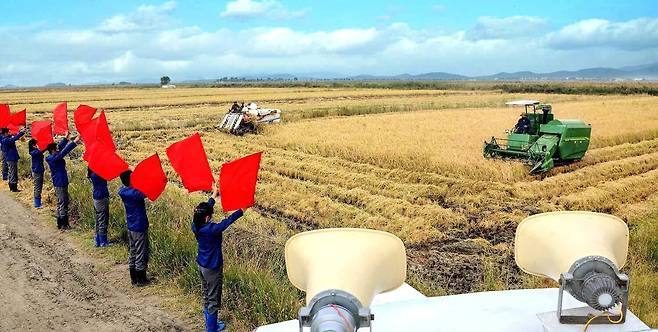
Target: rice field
(404,161)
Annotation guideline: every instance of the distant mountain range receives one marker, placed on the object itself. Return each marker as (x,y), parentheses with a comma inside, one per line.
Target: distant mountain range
(643,72)
(629,73)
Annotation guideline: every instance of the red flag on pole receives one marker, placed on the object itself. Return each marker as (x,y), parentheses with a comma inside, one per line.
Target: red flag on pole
(83,115)
(149,177)
(19,119)
(61,119)
(42,132)
(237,182)
(5,115)
(13,129)
(105,162)
(103,134)
(191,163)
(94,132)
(87,132)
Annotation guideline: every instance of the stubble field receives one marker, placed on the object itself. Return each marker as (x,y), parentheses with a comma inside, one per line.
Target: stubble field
(404,161)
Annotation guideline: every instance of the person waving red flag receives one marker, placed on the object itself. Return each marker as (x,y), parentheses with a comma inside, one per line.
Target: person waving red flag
(237,182)
(191,163)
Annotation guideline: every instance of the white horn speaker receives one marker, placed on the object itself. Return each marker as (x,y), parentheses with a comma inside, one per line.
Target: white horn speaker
(341,270)
(583,251)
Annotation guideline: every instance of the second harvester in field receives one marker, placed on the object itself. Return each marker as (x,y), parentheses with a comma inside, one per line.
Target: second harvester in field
(242,119)
(541,140)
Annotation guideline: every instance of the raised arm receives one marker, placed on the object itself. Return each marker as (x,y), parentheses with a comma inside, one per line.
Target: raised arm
(213,198)
(62,143)
(224,224)
(17,136)
(69,147)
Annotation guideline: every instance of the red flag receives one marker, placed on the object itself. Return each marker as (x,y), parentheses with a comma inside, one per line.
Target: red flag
(237,182)
(13,129)
(87,131)
(83,115)
(88,134)
(103,133)
(191,163)
(94,132)
(5,115)
(106,163)
(149,178)
(19,118)
(42,132)
(61,119)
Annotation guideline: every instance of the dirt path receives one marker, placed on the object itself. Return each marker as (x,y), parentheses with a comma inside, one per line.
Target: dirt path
(45,284)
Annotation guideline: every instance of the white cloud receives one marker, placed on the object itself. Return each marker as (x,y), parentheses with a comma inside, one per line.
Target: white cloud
(439,8)
(641,33)
(145,18)
(131,53)
(506,27)
(250,9)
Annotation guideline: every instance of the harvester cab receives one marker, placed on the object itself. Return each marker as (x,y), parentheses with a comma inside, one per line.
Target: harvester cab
(248,118)
(539,139)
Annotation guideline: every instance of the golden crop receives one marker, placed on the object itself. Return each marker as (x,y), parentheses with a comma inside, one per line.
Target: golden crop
(415,170)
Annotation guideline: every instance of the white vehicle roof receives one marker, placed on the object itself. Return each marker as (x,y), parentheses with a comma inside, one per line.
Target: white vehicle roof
(526,310)
(522,102)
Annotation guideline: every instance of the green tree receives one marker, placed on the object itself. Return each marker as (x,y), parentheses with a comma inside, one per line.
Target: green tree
(164,80)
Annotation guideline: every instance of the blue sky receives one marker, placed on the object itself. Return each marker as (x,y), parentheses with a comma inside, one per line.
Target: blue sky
(89,41)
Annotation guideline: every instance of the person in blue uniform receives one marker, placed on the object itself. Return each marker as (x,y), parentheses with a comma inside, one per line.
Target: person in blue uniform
(60,177)
(38,170)
(5,167)
(138,225)
(209,236)
(11,156)
(101,196)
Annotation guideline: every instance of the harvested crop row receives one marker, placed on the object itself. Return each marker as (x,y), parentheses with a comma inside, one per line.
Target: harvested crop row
(587,176)
(609,196)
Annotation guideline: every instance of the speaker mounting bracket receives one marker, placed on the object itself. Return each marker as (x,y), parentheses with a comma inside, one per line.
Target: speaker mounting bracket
(355,315)
(567,279)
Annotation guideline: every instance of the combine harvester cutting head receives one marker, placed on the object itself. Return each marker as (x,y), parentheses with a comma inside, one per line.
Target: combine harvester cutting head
(540,140)
(248,119)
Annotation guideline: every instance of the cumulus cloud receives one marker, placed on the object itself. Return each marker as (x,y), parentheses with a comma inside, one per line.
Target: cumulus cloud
(145,18)
(138,53)
(637,34)
(250,9)
(507,27)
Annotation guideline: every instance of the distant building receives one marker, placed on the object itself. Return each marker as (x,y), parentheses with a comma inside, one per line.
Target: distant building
(169,86)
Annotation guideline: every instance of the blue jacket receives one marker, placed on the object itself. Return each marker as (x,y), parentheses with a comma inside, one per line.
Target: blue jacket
(9,147)
(209,237)
(37,161)
(99,186)
(133,201)
(57,164)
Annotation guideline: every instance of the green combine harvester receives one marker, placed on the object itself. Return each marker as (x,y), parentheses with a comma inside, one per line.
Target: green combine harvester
(540,140)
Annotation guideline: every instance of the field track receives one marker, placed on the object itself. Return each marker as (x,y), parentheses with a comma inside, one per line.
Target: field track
(46,285)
